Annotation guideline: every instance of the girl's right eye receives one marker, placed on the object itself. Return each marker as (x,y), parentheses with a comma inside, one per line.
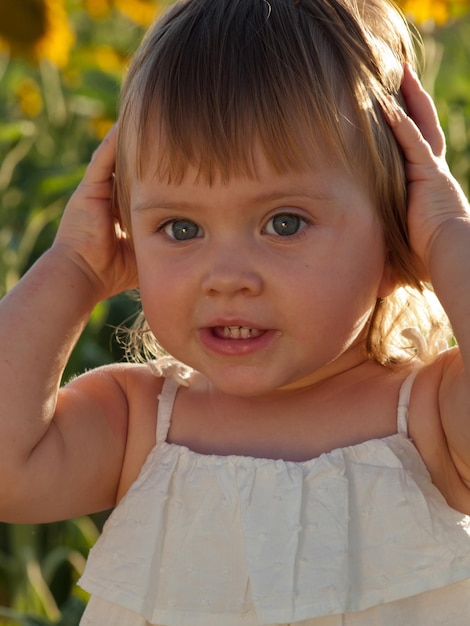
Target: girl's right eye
(285,225)
(182,230)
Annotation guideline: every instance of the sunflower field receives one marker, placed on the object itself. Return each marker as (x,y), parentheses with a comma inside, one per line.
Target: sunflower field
(61,65)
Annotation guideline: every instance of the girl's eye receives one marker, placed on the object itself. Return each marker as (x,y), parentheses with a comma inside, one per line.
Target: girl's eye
(285,225)
(182,230)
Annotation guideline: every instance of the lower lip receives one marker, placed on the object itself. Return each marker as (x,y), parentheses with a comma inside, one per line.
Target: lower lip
(236,347)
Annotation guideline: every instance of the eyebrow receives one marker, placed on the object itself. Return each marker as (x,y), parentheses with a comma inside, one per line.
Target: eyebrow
(291,193)
(164,205)
(261,198)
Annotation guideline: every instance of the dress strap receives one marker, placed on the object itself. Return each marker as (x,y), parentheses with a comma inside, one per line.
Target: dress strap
(175,375)
(404,403)
(166,401)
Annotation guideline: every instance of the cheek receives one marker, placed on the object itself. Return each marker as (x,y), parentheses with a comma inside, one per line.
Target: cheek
(159,291)
(346,287)
(365,260)
(166,299)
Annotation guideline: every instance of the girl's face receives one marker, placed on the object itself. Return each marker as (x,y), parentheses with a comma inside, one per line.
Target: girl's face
(262,283)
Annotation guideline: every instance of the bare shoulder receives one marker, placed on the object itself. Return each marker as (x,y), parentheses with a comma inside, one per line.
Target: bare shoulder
(116,393)
(141,388)
(103,427)
(439,425)
(129,393)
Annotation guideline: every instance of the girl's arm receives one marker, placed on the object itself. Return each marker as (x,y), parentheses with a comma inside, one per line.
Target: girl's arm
(62,453)
(439,227)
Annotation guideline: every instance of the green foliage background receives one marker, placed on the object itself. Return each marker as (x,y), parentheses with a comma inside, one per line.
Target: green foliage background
(51,120)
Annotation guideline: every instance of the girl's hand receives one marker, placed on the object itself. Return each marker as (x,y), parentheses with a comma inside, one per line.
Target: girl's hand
(90,232)
(434,196)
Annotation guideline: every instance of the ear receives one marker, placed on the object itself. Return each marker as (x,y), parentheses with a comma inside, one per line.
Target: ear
(388,282)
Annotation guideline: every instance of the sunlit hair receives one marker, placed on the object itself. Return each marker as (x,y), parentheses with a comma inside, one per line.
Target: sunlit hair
(303,79)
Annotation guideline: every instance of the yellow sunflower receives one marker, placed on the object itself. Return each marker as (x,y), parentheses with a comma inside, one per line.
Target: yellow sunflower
(98,9)
(141,12)
(29,97)
(36,29)
(437,11)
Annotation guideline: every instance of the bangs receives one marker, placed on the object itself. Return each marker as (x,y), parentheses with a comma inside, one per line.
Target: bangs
(215,79)
(224,143)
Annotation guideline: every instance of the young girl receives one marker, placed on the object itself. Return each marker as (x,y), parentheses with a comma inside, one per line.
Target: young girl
(281,215)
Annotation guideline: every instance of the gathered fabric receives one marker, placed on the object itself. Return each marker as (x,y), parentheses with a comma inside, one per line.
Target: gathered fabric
(358,536)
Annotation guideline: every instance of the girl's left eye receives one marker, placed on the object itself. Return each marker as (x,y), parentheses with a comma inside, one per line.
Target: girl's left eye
(182,230)
(285,225)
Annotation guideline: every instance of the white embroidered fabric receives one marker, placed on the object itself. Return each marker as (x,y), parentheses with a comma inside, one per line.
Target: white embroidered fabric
(356,537)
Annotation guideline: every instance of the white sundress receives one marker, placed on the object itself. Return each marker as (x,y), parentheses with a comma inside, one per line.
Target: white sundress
(356,537)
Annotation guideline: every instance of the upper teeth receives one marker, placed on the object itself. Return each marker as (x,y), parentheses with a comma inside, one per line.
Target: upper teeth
(237,332)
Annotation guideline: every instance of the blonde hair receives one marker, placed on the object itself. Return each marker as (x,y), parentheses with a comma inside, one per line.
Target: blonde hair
(307,79)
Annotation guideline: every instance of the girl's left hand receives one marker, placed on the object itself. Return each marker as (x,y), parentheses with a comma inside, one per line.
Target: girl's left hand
(434,196)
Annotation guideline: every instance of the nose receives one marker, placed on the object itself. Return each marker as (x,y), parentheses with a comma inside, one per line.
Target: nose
(231,271)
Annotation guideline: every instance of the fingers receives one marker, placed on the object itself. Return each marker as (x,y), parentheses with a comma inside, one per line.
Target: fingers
(101,167)
(434,197)
(416,149)
(422,110)
(418,130)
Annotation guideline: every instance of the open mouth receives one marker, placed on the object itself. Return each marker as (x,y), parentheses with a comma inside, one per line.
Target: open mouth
(236,339)
(237,332)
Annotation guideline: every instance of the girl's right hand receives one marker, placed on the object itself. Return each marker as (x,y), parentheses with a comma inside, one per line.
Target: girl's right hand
(90,232)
